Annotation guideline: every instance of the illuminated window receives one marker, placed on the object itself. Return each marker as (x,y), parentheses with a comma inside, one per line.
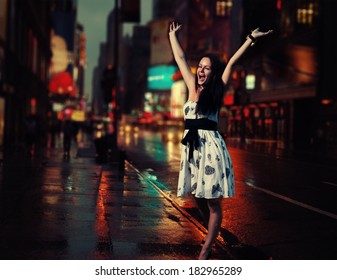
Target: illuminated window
(307,12)
(223,8)
(250,82)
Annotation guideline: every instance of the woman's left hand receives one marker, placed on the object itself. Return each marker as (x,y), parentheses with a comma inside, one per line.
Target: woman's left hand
(257,33)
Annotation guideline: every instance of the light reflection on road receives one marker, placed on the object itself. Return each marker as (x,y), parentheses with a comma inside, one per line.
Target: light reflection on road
(253,216)
(163,146)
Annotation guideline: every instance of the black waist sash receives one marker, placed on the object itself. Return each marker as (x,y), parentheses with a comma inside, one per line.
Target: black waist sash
(192,135)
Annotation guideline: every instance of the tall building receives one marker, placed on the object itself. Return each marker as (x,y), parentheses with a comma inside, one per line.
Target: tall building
(326,127)
(111,38)
(138,63)
(24,67)
(282,90)
(164,8)
(98,105)
(80,59)
(209,26)
(286,95)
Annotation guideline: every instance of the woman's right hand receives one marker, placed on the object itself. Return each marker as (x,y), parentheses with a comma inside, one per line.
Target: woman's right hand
(174,27)
(256,33)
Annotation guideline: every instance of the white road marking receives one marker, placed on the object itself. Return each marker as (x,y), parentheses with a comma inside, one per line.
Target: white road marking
(290,200)
(329,183)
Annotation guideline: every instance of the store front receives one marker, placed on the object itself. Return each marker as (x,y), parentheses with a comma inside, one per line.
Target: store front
(258,122)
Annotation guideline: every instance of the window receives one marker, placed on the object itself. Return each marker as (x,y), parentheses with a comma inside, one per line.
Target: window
(223,8)
(307,12)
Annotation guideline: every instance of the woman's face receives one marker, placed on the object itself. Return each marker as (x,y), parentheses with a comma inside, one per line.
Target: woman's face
(204,71)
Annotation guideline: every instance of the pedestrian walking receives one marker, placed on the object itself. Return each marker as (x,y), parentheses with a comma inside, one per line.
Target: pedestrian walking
(206,169)
(68,132)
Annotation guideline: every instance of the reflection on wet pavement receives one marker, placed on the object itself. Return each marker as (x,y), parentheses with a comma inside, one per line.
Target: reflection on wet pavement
(80,209)
(142,223)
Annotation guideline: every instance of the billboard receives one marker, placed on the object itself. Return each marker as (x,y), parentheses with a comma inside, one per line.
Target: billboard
(62,44)
(160,77)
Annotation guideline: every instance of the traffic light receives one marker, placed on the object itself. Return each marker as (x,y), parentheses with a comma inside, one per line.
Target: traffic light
(108,83)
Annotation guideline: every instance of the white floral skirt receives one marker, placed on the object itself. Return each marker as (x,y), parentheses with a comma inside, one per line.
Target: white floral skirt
(209,174)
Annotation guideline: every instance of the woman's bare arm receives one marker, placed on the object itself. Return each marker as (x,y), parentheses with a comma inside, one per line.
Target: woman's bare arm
(179,57)
(228,70)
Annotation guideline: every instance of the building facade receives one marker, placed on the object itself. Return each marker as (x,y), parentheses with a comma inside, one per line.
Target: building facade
(138,63)
(282,92)
(285,94)
(30,33)
(24,66)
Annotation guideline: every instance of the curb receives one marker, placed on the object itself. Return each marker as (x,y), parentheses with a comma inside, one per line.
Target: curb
(219,241)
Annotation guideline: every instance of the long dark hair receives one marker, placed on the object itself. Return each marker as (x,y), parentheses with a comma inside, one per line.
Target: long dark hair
(211,96)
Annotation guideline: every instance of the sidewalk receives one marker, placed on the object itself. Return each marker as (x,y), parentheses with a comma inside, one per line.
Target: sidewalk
(78,209)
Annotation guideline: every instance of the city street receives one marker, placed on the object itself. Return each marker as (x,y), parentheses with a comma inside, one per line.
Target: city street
(83,209)
(284,208)
(95,98)
(54,208)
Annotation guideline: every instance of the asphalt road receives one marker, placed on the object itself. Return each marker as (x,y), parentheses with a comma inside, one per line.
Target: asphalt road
(284,208)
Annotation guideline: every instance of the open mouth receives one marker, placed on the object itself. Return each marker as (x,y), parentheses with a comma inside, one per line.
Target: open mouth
(201,78)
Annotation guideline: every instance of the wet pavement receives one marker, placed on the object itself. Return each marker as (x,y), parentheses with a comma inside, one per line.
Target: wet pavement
(81,208)
(52,208)
(284,208)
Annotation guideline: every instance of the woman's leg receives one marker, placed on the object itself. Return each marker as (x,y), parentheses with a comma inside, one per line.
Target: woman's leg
(214,224)
(203,209)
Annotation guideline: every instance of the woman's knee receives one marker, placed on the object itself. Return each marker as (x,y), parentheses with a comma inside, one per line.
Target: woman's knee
(201,202)
(214,205)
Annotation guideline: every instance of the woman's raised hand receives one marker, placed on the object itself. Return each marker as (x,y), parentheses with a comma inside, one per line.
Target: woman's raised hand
(257,33)
(174,26)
